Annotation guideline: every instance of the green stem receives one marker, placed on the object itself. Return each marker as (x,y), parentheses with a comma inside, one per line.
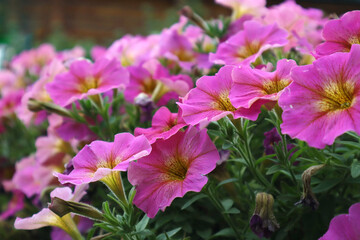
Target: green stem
(215,201)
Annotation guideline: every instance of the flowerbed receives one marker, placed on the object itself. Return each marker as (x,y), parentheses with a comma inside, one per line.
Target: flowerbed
(241,127)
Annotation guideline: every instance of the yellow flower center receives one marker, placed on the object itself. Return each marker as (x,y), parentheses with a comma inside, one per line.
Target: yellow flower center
(354,40)
(148,85)
(248,50)
(337,96)
(176,168)
(275,86)
(222,102)
(184,55)
(89,83)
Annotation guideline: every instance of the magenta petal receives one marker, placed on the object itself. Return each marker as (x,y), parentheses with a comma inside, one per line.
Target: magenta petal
(175,166)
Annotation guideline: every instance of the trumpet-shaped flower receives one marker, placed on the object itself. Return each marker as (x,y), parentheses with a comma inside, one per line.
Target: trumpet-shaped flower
(16,204)
(48,218)
(303,25)
(85,79)
(252,85)
(326,96)
(244,7)
(37,91)
(247,45)
(30,177)
(210,100)
(164,125)
(98,160)
(155,81)
(174,167)
(345,226)
(340,34)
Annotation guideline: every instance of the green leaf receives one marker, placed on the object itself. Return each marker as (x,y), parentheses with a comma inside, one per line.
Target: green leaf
(192,200)
(274,169)
(165,236)
(355,168)
(263,158)
(325,185)
(350,144)
(226,232)
(227,204)
(230,180)
(143,223)
(233,211)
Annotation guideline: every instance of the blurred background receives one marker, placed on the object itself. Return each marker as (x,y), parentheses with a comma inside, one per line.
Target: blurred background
(65,23)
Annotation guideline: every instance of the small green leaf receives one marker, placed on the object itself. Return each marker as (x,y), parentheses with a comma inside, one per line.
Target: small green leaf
(227,232)
(230,180)
(192,200)
(355,168)
(274,169)
(167,235)
(227,204)
(142,224)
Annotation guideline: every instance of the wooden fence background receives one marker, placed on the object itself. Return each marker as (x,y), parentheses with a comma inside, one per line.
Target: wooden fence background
(99,19)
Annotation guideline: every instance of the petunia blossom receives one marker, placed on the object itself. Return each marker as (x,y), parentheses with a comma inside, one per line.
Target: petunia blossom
(30,177)
(209,101)
(85,79)
(247,45)
(244,7)
(164,124)
(326,96)
(303,25)
(340,34)
(345,226)
(155,81)
(102,161)
(16,204)
(253,85)
(48,218)
(174,167)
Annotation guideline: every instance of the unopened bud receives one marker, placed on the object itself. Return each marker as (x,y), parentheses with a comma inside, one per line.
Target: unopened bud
(263,222)
(35,106)
(189,13)
(308,198)
(61,207)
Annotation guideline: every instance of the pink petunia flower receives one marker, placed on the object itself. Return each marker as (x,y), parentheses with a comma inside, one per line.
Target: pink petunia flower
(326,96)
(10,103)
(253,85)
(10,81)
(178,48)
(303,25)
(85,79)
(210,100)
(345,226)
(340,34)
(37,91)
(48,218)
(247,45)
(155,81)
(16,204)
(164,124)
(104,160)
(244,7)
(174,167)
(133,50)
(31,177)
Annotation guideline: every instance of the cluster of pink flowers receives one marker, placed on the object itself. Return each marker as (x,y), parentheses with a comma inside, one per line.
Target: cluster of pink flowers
(318,101)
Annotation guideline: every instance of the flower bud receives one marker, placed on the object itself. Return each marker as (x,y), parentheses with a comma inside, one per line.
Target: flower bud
(263,222)
(36,106)
(308,198)
(61,207)
(189,13)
